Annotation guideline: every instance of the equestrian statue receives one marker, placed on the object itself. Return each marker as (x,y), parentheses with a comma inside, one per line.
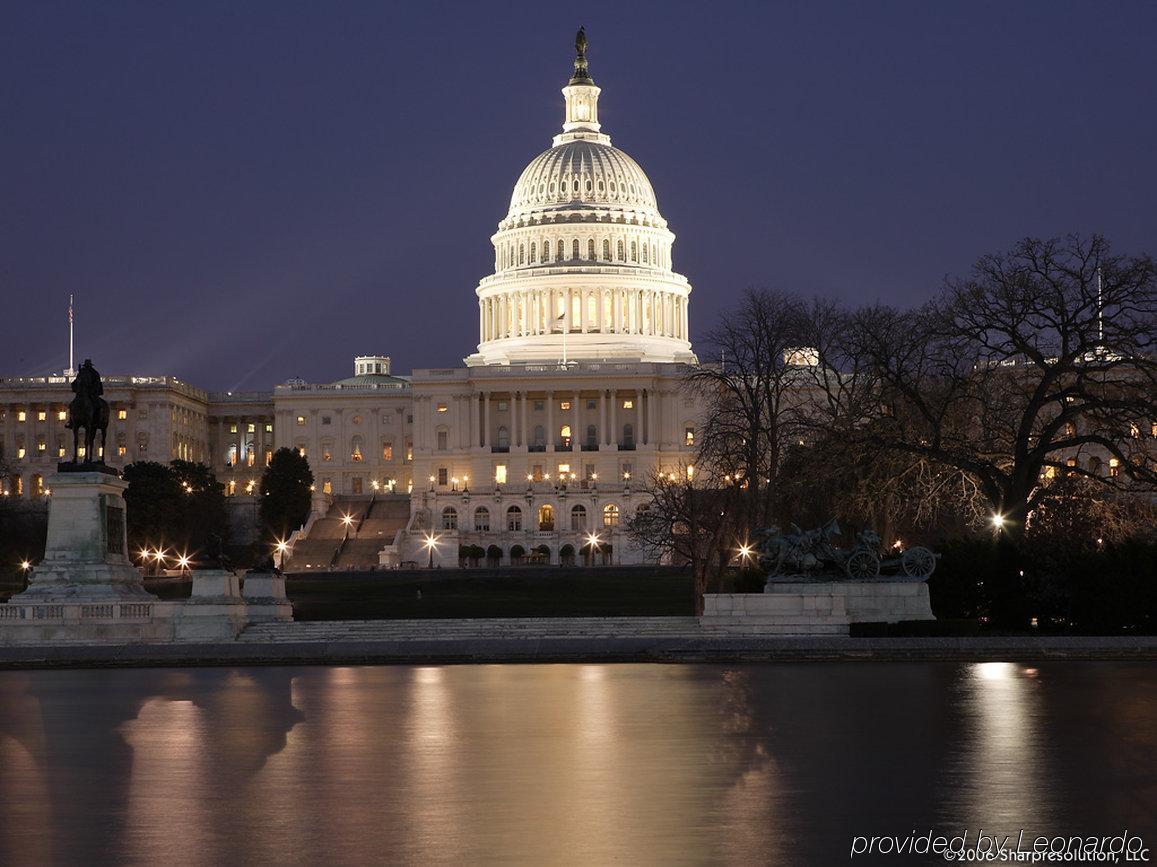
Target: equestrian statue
(88,410)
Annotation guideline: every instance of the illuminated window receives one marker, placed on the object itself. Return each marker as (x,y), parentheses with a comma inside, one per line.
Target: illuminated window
(122,414)
(1070,429)
(356,449)
(301,451)
(327,486)
(233,428)
(564,405)
(326,453)
(268,428)
(564,435)
(482,519)
(60,451)
(41,447)
(1114,467)
(387,451)
(690,472)
(41,415)
(230,488)
(689,436)
(546,519)
(628,404)
(120,452)
(357,419)
(250,457)
(611,515)
(441,407)
(500,474)
(252,428)
(536,472)
(409,450)
(21,415)
(62,415)
(1071,462)
(268,457)
(300,421)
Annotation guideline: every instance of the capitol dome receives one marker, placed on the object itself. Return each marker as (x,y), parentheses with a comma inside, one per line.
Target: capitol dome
(583,172)
(582,260)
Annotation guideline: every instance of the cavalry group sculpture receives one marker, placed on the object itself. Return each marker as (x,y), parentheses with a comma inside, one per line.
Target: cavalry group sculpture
(811,554)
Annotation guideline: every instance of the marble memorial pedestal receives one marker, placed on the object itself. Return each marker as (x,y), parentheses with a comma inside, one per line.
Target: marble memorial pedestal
(85,589)
(266,598)
(214,610)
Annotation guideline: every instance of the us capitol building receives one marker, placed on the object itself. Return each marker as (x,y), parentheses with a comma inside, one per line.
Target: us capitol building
(528,451)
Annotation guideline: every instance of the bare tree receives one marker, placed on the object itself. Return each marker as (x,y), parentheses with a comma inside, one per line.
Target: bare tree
(689,518)
(1043,354)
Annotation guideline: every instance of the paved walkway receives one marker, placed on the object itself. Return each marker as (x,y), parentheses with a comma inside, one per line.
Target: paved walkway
(549,640)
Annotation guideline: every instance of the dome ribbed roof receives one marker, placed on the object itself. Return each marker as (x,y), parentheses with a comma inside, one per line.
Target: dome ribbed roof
(582,171)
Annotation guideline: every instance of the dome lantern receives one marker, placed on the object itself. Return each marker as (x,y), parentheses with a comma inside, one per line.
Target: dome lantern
(582,99)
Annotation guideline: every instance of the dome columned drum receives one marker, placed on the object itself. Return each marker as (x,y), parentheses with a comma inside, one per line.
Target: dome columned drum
(582,260)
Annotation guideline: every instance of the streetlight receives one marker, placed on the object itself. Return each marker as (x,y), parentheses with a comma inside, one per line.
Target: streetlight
(745,551)
(431,543)
(183,563)
(347,519)
(282,546)
(998,521)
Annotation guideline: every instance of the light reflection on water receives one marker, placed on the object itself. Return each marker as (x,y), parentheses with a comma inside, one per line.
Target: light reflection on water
(583,764)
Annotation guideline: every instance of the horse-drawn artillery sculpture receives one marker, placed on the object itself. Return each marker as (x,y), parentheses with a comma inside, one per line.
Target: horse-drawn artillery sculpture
(811,554)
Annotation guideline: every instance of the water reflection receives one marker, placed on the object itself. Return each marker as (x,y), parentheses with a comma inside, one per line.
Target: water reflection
(573,764)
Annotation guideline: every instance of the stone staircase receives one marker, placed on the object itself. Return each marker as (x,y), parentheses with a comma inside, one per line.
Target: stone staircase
(510,628)
(375,523)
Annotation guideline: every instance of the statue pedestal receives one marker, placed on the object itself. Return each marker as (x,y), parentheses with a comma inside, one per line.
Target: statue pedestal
(816,608)
(265,595)
(215,610)
(85,589)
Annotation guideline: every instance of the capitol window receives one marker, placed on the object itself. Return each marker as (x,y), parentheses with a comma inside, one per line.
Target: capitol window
(620,251)
(357,419)
(300,421)
(546,251)
(356,449)
(578,519)
(325,419)
(689,436)
(443,440)
(514,519)
(482,519)
(41,416)
(449,518)
(500,474)
(628,404)
(21,415)
(606,245)
(441,407)
(611,515)
(387,451)
(564,405)
(591,249)
(122,414)
(62,415)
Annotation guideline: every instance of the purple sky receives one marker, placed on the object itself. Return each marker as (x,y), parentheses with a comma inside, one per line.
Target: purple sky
(239,193)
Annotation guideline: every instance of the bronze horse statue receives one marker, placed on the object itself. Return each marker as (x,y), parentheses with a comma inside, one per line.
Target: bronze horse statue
(88,410)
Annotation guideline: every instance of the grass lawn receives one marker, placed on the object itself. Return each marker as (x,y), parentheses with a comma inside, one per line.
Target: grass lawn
(590,593)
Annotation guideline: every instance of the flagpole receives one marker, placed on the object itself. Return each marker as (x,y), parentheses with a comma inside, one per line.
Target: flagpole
(71,358)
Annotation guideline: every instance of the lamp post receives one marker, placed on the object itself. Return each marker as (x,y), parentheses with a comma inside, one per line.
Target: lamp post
(282,547)
(431,543)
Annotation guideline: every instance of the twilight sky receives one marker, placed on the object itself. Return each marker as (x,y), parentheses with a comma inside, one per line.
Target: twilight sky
(239,193)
